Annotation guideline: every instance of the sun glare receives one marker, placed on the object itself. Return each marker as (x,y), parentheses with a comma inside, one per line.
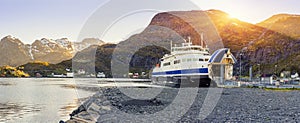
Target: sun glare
(231,17)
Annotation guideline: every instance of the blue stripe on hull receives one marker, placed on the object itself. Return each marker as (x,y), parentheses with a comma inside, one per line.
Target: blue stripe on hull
(187,71)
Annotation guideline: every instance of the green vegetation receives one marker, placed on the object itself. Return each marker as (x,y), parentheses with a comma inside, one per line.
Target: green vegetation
(282,89)
(8,71)
(44,69)
(40,63)
(146,58)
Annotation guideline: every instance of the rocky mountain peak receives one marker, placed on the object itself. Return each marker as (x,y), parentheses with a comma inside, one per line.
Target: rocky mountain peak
(278,18)
(11,39)
(283,23)
(46,50)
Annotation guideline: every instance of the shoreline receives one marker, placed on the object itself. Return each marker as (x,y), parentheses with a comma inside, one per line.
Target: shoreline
(235,105)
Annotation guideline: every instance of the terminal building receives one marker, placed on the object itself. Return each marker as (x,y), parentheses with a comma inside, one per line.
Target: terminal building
(221,65)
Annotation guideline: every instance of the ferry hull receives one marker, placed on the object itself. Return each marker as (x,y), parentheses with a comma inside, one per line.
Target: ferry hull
(184,81)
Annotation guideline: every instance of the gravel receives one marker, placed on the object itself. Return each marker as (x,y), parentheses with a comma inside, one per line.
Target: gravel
(235,105)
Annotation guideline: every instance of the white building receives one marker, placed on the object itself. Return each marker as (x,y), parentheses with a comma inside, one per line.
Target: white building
(221,65)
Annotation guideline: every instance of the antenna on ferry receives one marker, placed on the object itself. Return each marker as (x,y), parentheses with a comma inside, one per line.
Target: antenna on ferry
(202,38)
(189,39)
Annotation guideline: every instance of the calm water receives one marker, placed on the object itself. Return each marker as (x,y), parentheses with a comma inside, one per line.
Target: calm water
(39,100)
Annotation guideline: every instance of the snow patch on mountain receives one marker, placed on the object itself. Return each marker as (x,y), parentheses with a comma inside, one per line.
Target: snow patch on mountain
(64,42)
(30,52)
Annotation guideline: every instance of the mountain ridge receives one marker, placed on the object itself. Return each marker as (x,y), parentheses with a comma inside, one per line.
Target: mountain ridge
(283,23)
(46,50)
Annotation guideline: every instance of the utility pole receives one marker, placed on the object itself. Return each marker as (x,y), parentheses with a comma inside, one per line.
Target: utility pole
(259,73)
(240,65)
(250,73)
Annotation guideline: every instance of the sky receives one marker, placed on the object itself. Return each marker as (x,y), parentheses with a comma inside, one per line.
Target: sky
(30,20)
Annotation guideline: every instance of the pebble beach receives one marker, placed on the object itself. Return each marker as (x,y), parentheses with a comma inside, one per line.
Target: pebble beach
(234,105)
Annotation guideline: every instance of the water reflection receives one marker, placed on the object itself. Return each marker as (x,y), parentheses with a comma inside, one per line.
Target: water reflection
(65,110)
(13,111)
(46,99)
(38,99)
(7,83)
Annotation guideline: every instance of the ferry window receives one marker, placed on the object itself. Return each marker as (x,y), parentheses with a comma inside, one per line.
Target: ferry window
(194,59)
(188,60)
(183,60)
(194,48)
(167,64)
(176,61)
(200,59)
(206,59)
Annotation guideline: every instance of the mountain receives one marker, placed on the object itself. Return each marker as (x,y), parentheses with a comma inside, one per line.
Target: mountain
(257,44)
(14,52)
(94,59)
(82,60)
(85,43)
(284,23)
(56,51)
(52,51)
(98,59)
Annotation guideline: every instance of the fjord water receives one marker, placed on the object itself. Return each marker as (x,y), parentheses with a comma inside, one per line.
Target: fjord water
(38,99)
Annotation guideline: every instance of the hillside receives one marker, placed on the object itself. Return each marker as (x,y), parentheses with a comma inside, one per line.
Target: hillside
(142,51)
(97,59)
(283,23)
(13,52)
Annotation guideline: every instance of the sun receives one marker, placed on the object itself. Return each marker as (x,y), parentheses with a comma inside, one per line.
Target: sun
(231,16)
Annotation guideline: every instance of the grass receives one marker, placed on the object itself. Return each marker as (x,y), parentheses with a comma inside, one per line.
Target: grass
(282,89)
(275,89)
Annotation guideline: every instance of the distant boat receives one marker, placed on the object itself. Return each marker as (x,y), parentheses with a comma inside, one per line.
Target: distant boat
(58,76)
(101,75)
(70,75)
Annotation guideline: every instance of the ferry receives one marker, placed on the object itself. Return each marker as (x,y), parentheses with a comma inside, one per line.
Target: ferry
(187,64)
